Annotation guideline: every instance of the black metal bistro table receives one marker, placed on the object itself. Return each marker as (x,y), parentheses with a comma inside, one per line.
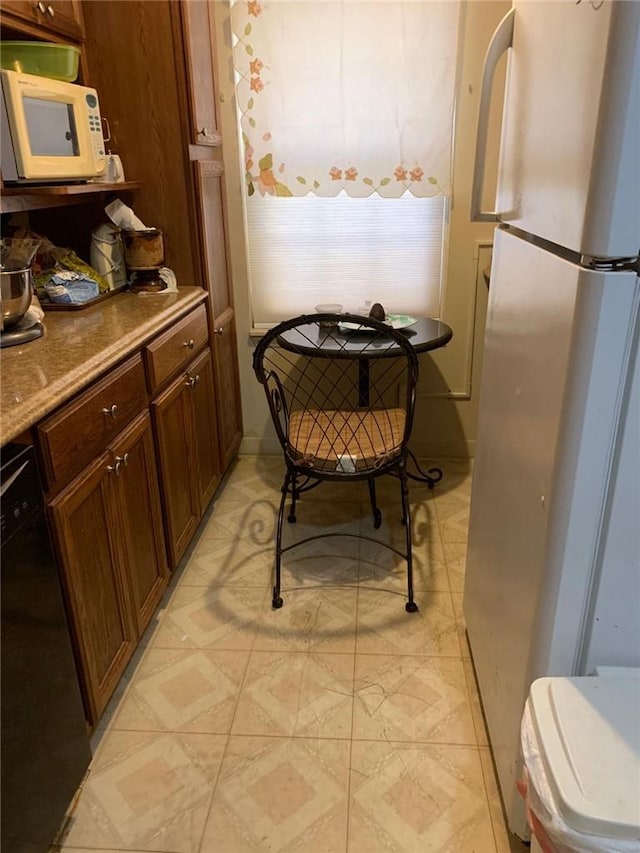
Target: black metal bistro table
(425,334)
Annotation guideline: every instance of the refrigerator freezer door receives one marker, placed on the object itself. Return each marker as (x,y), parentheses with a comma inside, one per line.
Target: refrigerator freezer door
(568,165)
(556,347)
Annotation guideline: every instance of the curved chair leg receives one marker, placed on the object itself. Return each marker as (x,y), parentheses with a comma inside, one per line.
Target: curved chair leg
(291,518)
(410,606)
(276,601)
(377,515)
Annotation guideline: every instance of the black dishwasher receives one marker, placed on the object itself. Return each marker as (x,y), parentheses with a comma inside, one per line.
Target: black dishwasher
(44,740)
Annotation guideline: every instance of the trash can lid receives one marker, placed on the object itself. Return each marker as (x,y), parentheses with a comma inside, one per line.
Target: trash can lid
(589,735)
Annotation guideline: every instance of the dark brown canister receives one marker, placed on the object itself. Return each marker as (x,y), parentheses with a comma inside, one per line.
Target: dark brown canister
(143,250)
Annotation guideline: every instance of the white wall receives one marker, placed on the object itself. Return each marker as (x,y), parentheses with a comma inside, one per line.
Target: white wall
(446,415)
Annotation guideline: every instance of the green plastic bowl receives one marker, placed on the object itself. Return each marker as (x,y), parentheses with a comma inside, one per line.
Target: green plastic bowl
(43,58)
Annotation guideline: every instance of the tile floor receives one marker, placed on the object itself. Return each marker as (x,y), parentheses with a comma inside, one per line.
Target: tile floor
(338,723)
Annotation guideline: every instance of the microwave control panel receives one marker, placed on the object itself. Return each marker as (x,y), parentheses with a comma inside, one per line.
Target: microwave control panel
(95,129)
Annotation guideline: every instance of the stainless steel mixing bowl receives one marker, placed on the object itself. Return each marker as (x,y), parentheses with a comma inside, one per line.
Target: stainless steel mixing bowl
(15,292)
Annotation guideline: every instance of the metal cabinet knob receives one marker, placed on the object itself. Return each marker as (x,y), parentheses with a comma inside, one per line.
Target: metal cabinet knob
(190,383)
(123,459)
(219,330)
(111,411)
(51,11)
(197,379)
(42,7)
(190,343)
(115,469)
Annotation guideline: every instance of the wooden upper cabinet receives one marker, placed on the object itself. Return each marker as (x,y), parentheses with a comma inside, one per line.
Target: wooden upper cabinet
(197,18)
(59,16)
(208,183)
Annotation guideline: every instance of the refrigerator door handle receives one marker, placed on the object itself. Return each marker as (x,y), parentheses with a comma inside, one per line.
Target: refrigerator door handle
(501,41)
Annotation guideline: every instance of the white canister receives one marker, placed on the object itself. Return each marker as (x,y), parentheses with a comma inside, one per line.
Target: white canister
(107,254)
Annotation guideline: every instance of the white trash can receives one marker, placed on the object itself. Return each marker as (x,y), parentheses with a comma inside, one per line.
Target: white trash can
(581,748)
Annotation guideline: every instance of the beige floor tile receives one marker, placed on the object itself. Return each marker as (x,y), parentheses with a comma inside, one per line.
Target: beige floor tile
(222,562)
(321,619)
(455,556)
(505,841)
(280,795)
(384,626)
(380,568)
(296,693)
(148,791)
(476,705)
(452,513)
(457,598)
(326,562)
(411,699)
(253,522)
(180,690)
(202,618)
(417,799)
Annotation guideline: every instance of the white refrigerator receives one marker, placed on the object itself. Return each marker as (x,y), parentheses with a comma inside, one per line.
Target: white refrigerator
(553,568)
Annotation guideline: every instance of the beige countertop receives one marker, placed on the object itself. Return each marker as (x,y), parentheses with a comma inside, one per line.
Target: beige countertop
(76,348)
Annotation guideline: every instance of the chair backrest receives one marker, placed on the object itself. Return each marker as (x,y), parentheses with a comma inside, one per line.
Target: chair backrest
(341,392)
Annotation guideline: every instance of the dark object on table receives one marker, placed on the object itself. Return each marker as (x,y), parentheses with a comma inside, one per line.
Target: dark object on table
(377,312)
(327,428)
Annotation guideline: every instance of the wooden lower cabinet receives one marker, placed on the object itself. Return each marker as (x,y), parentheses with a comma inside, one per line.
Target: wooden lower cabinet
(138,498)
(187,441)
(107,527)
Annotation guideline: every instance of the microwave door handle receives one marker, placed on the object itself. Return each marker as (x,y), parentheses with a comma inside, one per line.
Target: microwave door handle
(106,129)
(501,41)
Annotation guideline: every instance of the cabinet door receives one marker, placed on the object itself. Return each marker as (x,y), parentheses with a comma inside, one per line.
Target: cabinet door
(208,174)
(173,421)
(86,529)
(206,431)
(59,16)
(225,362)
(197,21)
(138,495)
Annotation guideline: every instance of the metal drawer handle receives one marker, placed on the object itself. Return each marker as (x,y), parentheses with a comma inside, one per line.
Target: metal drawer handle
(51,10)
(111,411)
(42,7)
(115,469)
(219,330)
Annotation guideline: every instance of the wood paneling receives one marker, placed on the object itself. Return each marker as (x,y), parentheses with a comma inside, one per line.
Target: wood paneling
(135,49)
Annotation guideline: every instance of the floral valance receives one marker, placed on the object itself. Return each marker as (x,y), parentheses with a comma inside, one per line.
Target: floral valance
(343,95)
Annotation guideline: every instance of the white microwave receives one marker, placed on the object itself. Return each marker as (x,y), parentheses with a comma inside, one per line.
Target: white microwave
(50,131)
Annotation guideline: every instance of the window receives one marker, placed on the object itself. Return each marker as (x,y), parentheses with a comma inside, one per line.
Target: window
(346,112)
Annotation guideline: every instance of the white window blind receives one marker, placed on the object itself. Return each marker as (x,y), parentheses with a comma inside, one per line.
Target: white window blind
(309,250)
(346,114)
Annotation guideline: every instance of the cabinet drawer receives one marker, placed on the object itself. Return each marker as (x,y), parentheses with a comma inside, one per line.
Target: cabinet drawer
(78,432)
(171,351)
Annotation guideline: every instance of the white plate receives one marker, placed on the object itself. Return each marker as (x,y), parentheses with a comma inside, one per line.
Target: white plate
(396,321)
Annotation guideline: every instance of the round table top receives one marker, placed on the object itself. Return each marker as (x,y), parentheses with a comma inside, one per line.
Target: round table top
(426,334)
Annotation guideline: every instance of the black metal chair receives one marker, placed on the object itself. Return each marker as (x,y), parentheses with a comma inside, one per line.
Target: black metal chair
(342,401)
